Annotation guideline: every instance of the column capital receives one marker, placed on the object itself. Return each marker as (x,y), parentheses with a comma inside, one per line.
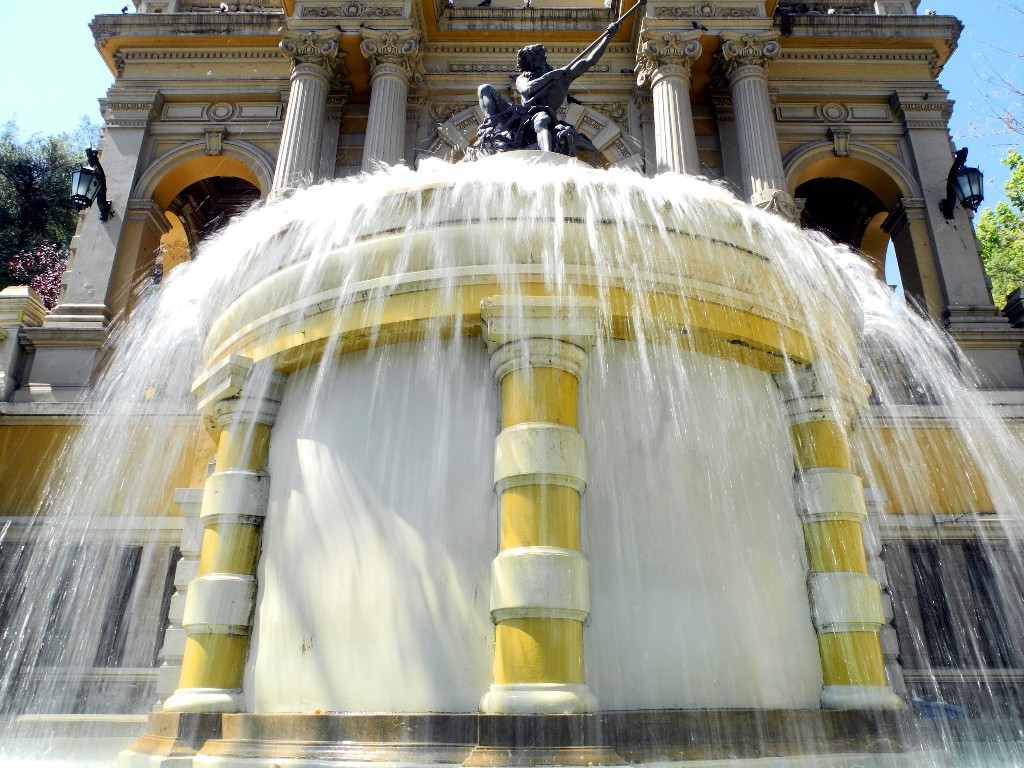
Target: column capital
(812,395)
(569,319)
(394,51)
(741,51)
(316,49)
(239,388)
(666,52)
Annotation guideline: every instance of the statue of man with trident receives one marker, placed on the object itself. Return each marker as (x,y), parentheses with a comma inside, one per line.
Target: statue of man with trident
(543,89)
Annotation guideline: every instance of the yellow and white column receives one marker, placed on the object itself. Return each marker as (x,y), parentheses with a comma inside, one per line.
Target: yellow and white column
(539,581)
(220,601)
(845,600)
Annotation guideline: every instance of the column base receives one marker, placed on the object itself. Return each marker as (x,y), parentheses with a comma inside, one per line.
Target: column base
(859,697)
(171,740)
(538,699)
(224,700)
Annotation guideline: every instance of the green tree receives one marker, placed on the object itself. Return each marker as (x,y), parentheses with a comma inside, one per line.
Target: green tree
(36,219)
(1001,231)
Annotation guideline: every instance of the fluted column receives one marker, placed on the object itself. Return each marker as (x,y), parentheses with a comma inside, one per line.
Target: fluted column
(846,602)
(220,600)
(315,57)
(664,62)
(395,61)
(539,580)
(745,59)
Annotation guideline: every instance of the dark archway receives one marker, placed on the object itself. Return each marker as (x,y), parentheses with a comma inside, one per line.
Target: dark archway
(208,204)
(842,209)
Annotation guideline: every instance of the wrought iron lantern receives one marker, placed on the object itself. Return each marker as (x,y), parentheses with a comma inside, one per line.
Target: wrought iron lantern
(964,185)
(89,184)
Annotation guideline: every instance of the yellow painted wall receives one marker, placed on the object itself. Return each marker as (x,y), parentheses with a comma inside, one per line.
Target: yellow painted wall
(28,451)
(924,471)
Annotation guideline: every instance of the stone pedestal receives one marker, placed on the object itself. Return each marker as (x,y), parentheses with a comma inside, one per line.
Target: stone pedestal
(20,309)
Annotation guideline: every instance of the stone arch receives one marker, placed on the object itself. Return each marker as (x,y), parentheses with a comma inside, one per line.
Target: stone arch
(880,172)
(901,197)
(156,189)
(618,148)
(175,170)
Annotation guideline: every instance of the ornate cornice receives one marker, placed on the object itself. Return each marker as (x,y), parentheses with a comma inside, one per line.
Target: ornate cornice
(393,49)
(927,111)
(189,54)
(704,10)
(352,10)
(131,110)
(318,48)
(749,50)
(663,50)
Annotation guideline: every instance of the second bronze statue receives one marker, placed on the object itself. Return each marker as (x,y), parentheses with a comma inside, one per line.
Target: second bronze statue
(533,123)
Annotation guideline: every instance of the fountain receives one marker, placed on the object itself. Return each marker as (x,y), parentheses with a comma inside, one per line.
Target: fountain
(519,462)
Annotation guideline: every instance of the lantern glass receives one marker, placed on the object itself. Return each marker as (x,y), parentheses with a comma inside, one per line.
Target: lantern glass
(85,185)
(969,187)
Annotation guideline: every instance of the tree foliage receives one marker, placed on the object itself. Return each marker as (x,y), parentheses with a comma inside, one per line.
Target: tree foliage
(37,220)
(41,268)
(1001,231)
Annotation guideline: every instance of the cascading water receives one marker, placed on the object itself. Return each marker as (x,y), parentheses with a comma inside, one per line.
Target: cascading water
(382,520)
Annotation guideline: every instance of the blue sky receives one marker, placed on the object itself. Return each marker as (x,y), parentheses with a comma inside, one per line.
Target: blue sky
(64,82)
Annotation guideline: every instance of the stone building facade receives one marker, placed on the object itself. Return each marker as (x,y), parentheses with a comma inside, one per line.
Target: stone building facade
(831,113)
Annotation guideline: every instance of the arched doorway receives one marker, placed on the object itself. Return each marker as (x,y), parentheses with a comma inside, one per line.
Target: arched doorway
(197,212)
(849,213)
(191,194)
(872,175)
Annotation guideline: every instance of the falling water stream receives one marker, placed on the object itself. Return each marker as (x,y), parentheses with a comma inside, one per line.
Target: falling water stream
(382,522)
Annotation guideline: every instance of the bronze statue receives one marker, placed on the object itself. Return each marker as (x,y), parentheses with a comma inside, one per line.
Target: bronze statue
(533,124)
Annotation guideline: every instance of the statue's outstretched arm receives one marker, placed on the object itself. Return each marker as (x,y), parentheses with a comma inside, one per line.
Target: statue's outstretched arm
(588,56)
(591,53)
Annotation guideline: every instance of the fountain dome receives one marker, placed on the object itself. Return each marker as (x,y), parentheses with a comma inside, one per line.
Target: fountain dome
(612,534)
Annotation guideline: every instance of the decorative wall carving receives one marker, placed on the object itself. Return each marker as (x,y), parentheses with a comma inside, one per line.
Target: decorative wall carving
(703,10)
(615,110)
(840,140)
(214,140)
(440,111)
(131,110)
(221,111)
(352,10)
